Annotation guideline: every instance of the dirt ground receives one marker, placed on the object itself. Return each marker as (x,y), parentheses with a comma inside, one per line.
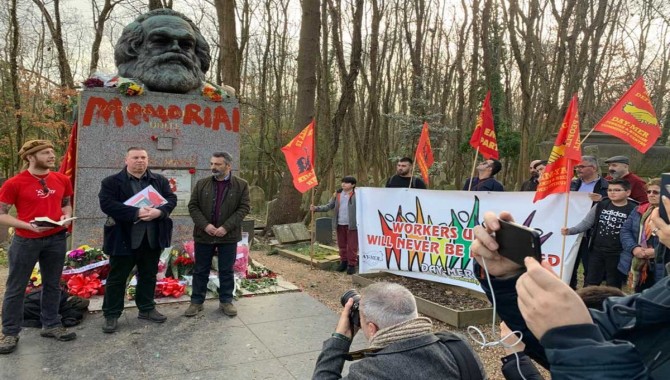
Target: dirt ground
(328,287)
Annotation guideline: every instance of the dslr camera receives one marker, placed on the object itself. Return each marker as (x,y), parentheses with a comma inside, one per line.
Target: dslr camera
(354,315)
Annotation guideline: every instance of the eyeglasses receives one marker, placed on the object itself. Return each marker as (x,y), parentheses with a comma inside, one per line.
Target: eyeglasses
(580,167)
(43,182)
(615,190)
(655,192)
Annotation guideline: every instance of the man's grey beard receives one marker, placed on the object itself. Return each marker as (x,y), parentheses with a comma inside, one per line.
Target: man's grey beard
(615,175)
(168,72)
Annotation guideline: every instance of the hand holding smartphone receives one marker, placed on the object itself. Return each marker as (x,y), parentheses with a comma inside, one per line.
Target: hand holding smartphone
(516,242)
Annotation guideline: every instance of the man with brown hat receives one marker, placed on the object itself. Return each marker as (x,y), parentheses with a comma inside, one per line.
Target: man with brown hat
(617,167)
(36,192)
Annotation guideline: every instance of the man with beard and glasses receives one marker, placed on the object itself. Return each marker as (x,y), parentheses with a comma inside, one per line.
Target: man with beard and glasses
(134,236)
(218,206)
(165,51)
(617,167)
(36,192)
(404,174)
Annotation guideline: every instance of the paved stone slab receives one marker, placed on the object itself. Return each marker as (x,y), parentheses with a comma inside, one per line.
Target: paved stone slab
(275,336)
(279,308)
(266,369)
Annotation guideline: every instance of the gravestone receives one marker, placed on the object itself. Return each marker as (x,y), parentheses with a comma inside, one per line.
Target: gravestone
(324,230)
(248,227)
(110,122)
(300,231)
(291,233)
(257,196)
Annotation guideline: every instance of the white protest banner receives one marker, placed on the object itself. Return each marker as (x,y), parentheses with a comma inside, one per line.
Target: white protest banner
(427,234)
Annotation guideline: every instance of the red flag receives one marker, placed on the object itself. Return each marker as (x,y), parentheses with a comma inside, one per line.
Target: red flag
(69,163)
(564,155)
(632,119)
(299,154)
(424,153)
(484,135)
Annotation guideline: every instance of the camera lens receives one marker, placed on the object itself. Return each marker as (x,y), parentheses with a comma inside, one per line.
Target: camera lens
(352,293)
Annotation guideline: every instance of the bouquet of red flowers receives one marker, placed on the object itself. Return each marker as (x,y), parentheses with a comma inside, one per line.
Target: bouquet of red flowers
(84,286)
(181,264)
(170,287)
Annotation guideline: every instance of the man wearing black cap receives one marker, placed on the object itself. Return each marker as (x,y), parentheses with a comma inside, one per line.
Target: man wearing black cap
(36,192)
(344,221)
(618,169)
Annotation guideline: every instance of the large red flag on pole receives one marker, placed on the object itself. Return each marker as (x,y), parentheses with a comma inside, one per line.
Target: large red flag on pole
(299,154)
(424,153)
(69,164)
(484,136)
(632,119)
(565,153)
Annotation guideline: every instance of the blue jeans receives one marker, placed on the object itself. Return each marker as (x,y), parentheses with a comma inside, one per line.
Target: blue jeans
(23,254)
(203,264)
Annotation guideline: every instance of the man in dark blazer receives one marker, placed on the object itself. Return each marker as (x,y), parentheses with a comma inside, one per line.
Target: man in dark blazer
(134,236)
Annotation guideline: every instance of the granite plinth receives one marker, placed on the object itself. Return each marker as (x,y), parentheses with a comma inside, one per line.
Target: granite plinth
(179,133)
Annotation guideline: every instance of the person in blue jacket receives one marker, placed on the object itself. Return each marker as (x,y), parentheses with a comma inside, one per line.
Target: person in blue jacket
(629,339)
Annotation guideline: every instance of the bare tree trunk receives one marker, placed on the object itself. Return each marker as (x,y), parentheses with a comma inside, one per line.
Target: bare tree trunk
(229,55)
(99,25)
(14,74)
(158,4)
(54,24)
(287,207)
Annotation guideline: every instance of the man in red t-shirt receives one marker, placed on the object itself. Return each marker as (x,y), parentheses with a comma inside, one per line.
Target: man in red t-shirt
(617,167)
(35,192)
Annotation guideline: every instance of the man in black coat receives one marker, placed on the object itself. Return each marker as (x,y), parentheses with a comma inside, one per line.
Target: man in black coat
(134,236)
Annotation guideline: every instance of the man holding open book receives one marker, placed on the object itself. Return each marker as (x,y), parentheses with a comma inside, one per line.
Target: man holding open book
(138,204)
(35,192)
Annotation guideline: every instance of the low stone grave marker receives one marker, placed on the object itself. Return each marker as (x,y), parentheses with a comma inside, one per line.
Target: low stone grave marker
(328,262)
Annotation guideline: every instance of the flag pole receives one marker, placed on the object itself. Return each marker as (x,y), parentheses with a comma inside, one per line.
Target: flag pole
(312,235)
(312,227)
(565,225)
(589,134)
(474,165)
(411,176)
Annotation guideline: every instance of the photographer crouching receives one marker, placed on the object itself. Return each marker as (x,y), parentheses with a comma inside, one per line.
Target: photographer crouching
(402,345)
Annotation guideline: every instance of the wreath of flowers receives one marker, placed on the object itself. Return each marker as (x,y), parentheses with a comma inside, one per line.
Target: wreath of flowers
(82,256)
(133,87)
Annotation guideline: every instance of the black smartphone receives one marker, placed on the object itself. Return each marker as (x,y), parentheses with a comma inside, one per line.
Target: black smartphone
(517,242)
(665,191)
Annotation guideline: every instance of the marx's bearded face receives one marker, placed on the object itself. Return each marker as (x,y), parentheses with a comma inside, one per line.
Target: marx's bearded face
(166,60)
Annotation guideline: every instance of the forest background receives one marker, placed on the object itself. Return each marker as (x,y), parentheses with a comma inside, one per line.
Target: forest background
(370,72)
